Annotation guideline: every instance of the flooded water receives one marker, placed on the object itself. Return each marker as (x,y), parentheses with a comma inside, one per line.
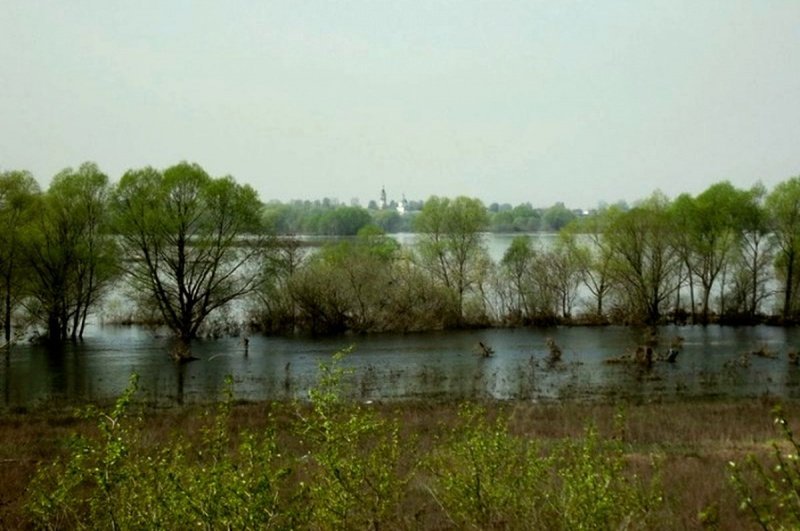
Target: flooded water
(714,362)
(496,243)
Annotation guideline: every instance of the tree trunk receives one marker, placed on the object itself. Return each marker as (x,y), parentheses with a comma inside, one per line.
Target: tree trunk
(600,305)
(678,295)
(706,297)
(653,314)
(691,297)
(787,301)
(53,327)
(7,312)
(754,281)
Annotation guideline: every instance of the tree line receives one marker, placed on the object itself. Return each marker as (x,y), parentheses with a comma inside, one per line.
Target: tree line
(719,256)
(184,244)
(331,218)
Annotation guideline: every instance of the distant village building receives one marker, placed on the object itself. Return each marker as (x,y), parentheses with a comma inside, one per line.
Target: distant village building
(402,206)
(383,204)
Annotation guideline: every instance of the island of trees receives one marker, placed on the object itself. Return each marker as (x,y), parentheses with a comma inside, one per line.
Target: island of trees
(182,245)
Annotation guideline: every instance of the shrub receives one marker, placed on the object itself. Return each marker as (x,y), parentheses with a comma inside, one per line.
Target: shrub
(352,459)
(85,487)
(115,481)
(343,467)
(485,478)
(347,478)
(595,492)
(771,492)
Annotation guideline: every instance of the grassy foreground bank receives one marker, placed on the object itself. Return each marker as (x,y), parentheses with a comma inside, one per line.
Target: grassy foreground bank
(412,465)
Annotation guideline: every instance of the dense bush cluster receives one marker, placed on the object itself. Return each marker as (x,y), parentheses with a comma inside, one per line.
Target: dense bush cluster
(770,492)
(340,466)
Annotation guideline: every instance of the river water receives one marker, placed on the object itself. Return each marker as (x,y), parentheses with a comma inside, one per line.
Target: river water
(714,363)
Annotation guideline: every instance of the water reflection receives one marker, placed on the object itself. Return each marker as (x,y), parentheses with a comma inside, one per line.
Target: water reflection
(4,377)
(713,361)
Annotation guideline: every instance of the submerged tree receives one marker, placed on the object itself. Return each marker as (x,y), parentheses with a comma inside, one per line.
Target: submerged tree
(18,191)
(532,281)
(69,252)
(594,257)
(707,227)
(753,256)
(516,270)
(365,284)
(562,266)
(451,245)
(190,241)
(348,285)
(783,205)
(276,310)
(645,264)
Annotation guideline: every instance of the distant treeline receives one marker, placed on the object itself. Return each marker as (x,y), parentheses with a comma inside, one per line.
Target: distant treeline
(183,245)
(329,217)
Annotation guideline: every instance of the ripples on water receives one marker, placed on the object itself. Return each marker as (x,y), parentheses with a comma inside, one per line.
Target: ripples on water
(440,365)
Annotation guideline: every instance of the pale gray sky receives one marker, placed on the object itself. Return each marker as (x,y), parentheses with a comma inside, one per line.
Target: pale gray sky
(538,101)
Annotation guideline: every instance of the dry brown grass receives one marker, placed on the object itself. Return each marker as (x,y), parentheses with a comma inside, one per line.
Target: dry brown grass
(691,442)
(25,441)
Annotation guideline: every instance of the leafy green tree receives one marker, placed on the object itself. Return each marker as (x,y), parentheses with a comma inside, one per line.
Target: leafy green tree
(707,224)
(526,218)
(191,241)
(593,257)
(389,220)
(755,253)
(541,282)
(557,217)
(527,283)
(516,266)
(70,253)
(344,221)
(783,205)
(18,191)
(502,221)
(645,263)
(451,245)
(521,218)
(562,265)
(277,216)
(277,311)
(326,217)
(682,210)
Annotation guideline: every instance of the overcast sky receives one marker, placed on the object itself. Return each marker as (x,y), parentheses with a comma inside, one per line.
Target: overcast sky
(534,101)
